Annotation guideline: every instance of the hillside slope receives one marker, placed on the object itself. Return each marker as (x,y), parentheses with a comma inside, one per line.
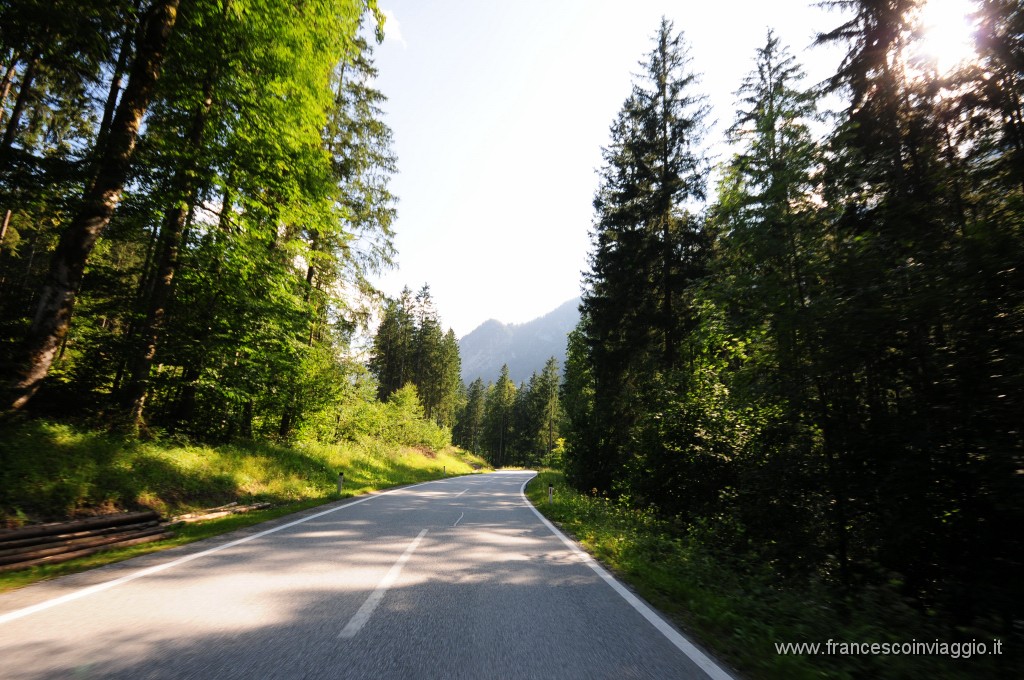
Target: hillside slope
(524,347)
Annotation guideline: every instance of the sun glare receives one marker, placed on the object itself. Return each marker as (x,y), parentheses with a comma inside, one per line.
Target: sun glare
(947,33)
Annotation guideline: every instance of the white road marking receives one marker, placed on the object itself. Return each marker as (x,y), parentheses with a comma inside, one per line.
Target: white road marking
(461,492)
(459,520)
(713,670)
(360,618)
(100,587)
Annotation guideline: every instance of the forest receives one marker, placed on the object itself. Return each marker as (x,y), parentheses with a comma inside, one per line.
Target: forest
(194,195)
(506,424)
(817,362)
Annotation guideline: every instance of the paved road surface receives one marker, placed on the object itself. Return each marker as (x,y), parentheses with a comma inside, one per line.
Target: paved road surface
(458,578)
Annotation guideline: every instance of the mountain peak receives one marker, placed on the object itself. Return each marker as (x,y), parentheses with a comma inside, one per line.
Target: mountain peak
(524,347)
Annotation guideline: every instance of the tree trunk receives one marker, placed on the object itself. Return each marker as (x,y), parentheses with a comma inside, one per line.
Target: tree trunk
(5,84)
(115,83)
(286,422)
(172,233)
(247,410)
(3,229)
(186,185)
(57,297)
(24,90)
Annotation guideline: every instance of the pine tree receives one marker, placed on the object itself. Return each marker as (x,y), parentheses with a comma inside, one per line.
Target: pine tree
(498,420)
(547,407)
(449,382)
(469,426)
(391,358)
(769,252)
(410,347)
(898,354)
(647,247)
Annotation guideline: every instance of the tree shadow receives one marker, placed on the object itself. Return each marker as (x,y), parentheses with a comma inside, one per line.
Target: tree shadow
(488,593)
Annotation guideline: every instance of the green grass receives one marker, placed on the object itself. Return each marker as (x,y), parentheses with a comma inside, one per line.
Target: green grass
(740,609)
(51,472)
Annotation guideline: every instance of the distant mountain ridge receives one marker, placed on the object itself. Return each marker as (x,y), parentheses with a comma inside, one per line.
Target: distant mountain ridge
(524,347)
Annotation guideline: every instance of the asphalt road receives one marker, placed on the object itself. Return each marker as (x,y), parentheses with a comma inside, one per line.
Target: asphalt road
(458,578)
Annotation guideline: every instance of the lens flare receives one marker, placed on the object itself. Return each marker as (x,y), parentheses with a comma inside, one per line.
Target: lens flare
(946,33)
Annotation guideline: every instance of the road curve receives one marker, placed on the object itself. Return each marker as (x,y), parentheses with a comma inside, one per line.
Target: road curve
(458,578)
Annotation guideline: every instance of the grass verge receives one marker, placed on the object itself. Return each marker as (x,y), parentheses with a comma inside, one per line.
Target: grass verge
(741,610)
(52,471)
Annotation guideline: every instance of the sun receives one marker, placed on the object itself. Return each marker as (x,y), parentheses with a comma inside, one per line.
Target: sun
(946,33)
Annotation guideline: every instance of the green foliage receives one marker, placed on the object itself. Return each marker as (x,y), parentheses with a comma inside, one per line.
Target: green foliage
(53,471)
(498,426)
(821,369)
(647,249)
(409,347)
(399,420)
(469,424)
(223,294)
(742,609)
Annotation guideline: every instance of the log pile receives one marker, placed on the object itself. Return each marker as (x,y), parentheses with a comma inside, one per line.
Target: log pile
(222,511)
(62,541)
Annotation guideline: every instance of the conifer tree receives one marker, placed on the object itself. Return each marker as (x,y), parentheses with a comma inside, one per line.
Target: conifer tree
(470,423)
(647,246)
(498,419)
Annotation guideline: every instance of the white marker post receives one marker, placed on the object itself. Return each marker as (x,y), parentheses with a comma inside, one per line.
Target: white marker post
(341,481)
(551,492)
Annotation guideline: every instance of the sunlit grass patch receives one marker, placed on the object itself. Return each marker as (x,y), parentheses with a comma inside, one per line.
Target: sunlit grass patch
(53,472)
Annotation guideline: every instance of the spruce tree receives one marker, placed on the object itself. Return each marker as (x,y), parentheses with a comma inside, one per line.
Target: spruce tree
(647,246)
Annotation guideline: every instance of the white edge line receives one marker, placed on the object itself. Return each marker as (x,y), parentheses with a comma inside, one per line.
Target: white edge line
(712,669)
(363,614)
(100,587)
(459,520)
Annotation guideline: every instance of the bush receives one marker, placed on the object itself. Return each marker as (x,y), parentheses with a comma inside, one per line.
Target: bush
(400,420)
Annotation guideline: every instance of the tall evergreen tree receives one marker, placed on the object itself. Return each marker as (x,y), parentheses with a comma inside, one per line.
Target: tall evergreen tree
(647,247)
(391,358)
(897,355)
(548,407)
(498,420)
(769,253)
(449,382)
(410,347)
(470,423)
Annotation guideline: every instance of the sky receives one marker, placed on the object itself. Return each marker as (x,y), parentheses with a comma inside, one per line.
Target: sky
(499,111)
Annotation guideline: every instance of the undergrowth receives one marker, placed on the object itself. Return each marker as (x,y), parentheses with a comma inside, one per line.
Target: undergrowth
(740,609)
(60,472)
(51,472)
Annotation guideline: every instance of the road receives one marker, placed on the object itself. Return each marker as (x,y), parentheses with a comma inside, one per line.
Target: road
(458,578)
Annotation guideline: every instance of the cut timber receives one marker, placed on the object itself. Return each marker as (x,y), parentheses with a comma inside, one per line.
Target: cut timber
(28,554)
(10,545)
(223,511)
(9,555)
(62,541)
(74,526)
(64,557)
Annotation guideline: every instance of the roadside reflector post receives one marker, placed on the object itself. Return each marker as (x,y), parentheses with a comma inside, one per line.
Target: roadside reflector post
(444,470)
(341,481)
(551,492)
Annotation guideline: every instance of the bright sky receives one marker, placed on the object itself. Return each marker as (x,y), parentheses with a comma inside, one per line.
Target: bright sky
(499,112)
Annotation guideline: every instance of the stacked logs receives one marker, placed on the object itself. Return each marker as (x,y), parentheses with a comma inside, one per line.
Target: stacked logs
(62,541)
(222,511)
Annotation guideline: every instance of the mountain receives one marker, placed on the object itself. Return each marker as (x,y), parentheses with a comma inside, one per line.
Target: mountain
(524,347)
